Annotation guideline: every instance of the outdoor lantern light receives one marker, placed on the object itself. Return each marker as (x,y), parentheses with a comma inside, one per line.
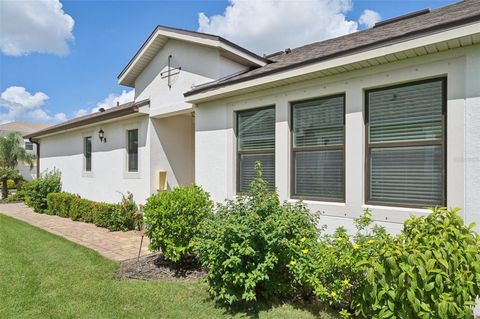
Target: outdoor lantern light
(101,136)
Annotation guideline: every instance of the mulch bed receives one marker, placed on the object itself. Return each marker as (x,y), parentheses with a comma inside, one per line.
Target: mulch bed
(155,267)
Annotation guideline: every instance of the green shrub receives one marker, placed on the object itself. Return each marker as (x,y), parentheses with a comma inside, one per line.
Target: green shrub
(36,191)
(60,204)
(122,217)
(328,268)
(430,270)
(172,220)
(246,247)
(112,216)
(11,184)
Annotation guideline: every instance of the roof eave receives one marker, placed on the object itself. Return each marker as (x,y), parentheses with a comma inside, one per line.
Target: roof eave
(337,60)
(92,120)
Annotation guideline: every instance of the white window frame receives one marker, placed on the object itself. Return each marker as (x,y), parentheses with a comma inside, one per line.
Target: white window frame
(86,173)
(126,173)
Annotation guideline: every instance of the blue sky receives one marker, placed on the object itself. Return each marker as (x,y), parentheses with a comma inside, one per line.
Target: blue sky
(106,34)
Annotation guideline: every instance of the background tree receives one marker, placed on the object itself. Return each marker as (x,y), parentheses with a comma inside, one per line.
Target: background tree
(11,152)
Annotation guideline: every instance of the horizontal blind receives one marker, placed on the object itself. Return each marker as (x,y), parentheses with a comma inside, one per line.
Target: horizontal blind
(406,174)
(318,122)
(318,155)
(406,113)
(132,150)
(256,142)
(247,172)
(256,129)
(319,174)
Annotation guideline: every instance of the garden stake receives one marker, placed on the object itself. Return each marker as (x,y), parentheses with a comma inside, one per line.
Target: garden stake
(140,249)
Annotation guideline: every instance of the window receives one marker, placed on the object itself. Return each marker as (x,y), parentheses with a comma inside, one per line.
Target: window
(318,136)
(255,142)
(132,150)
(406,144)
(87,153)
(28,146)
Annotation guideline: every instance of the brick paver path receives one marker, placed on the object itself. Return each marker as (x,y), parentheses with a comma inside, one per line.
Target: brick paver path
(113,245)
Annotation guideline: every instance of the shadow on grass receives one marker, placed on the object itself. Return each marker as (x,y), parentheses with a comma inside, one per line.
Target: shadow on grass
(253,310)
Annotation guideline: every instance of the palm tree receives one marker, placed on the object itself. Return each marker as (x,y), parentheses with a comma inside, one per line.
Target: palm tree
(11,152)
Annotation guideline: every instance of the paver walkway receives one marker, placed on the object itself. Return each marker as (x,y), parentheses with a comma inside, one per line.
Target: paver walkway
(113,245)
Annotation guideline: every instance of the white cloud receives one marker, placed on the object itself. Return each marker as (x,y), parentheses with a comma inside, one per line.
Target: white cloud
(34,26)
(271,25)
(369,18)
(80,112)
(110,101)
(16,103)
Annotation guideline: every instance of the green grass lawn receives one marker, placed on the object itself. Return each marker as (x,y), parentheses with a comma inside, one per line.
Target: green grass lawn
(45,276)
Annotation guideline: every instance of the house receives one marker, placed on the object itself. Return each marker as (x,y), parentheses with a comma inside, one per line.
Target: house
(24,128)
(386,119)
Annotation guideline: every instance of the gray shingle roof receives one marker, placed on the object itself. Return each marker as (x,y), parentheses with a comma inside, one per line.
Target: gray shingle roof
(395,31)
(23,127)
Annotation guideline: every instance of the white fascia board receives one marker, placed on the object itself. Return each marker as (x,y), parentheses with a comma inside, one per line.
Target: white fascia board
(337,62)
(171,110)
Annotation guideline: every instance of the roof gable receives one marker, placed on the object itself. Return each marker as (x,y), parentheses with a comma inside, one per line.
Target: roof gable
(162,34)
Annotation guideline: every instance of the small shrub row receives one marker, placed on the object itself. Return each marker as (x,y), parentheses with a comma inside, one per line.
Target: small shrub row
(112,216)
(255,247)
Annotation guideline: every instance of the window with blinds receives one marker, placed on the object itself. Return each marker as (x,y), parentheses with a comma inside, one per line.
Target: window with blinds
(406,148)
(255,142)
(318,135)
(87,153)
(132,150)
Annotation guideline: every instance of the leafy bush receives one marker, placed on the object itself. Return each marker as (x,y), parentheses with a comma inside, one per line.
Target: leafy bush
(246,247)
(112,216)
(430,270)
(11,184)
(59,204)
(172,220)
(36,191)
(327,268)
(123,216)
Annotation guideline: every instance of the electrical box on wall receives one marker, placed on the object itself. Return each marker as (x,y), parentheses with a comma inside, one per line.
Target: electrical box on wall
(162,181)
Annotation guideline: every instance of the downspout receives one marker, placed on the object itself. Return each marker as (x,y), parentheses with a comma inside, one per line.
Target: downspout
(38,156)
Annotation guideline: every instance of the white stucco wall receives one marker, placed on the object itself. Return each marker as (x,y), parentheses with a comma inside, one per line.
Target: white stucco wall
(199,64)
(215,146)
(172,150)
(109,176)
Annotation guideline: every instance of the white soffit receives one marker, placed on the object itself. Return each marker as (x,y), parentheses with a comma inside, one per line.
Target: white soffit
(160,37)
(442,41)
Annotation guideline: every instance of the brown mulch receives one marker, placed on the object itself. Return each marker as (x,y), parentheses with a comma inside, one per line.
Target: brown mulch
(155,267)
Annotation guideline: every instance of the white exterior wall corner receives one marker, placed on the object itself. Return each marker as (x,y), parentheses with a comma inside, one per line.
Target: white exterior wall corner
(215,164)
(472,137)
(109,177)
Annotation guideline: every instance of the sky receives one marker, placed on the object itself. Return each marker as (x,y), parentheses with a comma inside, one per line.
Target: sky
(61,59)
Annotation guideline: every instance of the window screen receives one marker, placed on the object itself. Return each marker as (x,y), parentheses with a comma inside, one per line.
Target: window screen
(405,131)
(255,142)
(318,128)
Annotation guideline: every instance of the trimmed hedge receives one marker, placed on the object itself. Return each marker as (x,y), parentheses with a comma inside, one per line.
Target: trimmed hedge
(112,216)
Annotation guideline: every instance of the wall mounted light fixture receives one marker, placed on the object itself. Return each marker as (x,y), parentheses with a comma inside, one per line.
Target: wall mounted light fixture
(101,136)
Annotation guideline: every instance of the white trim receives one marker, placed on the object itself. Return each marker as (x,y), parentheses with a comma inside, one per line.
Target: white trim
(472,29)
